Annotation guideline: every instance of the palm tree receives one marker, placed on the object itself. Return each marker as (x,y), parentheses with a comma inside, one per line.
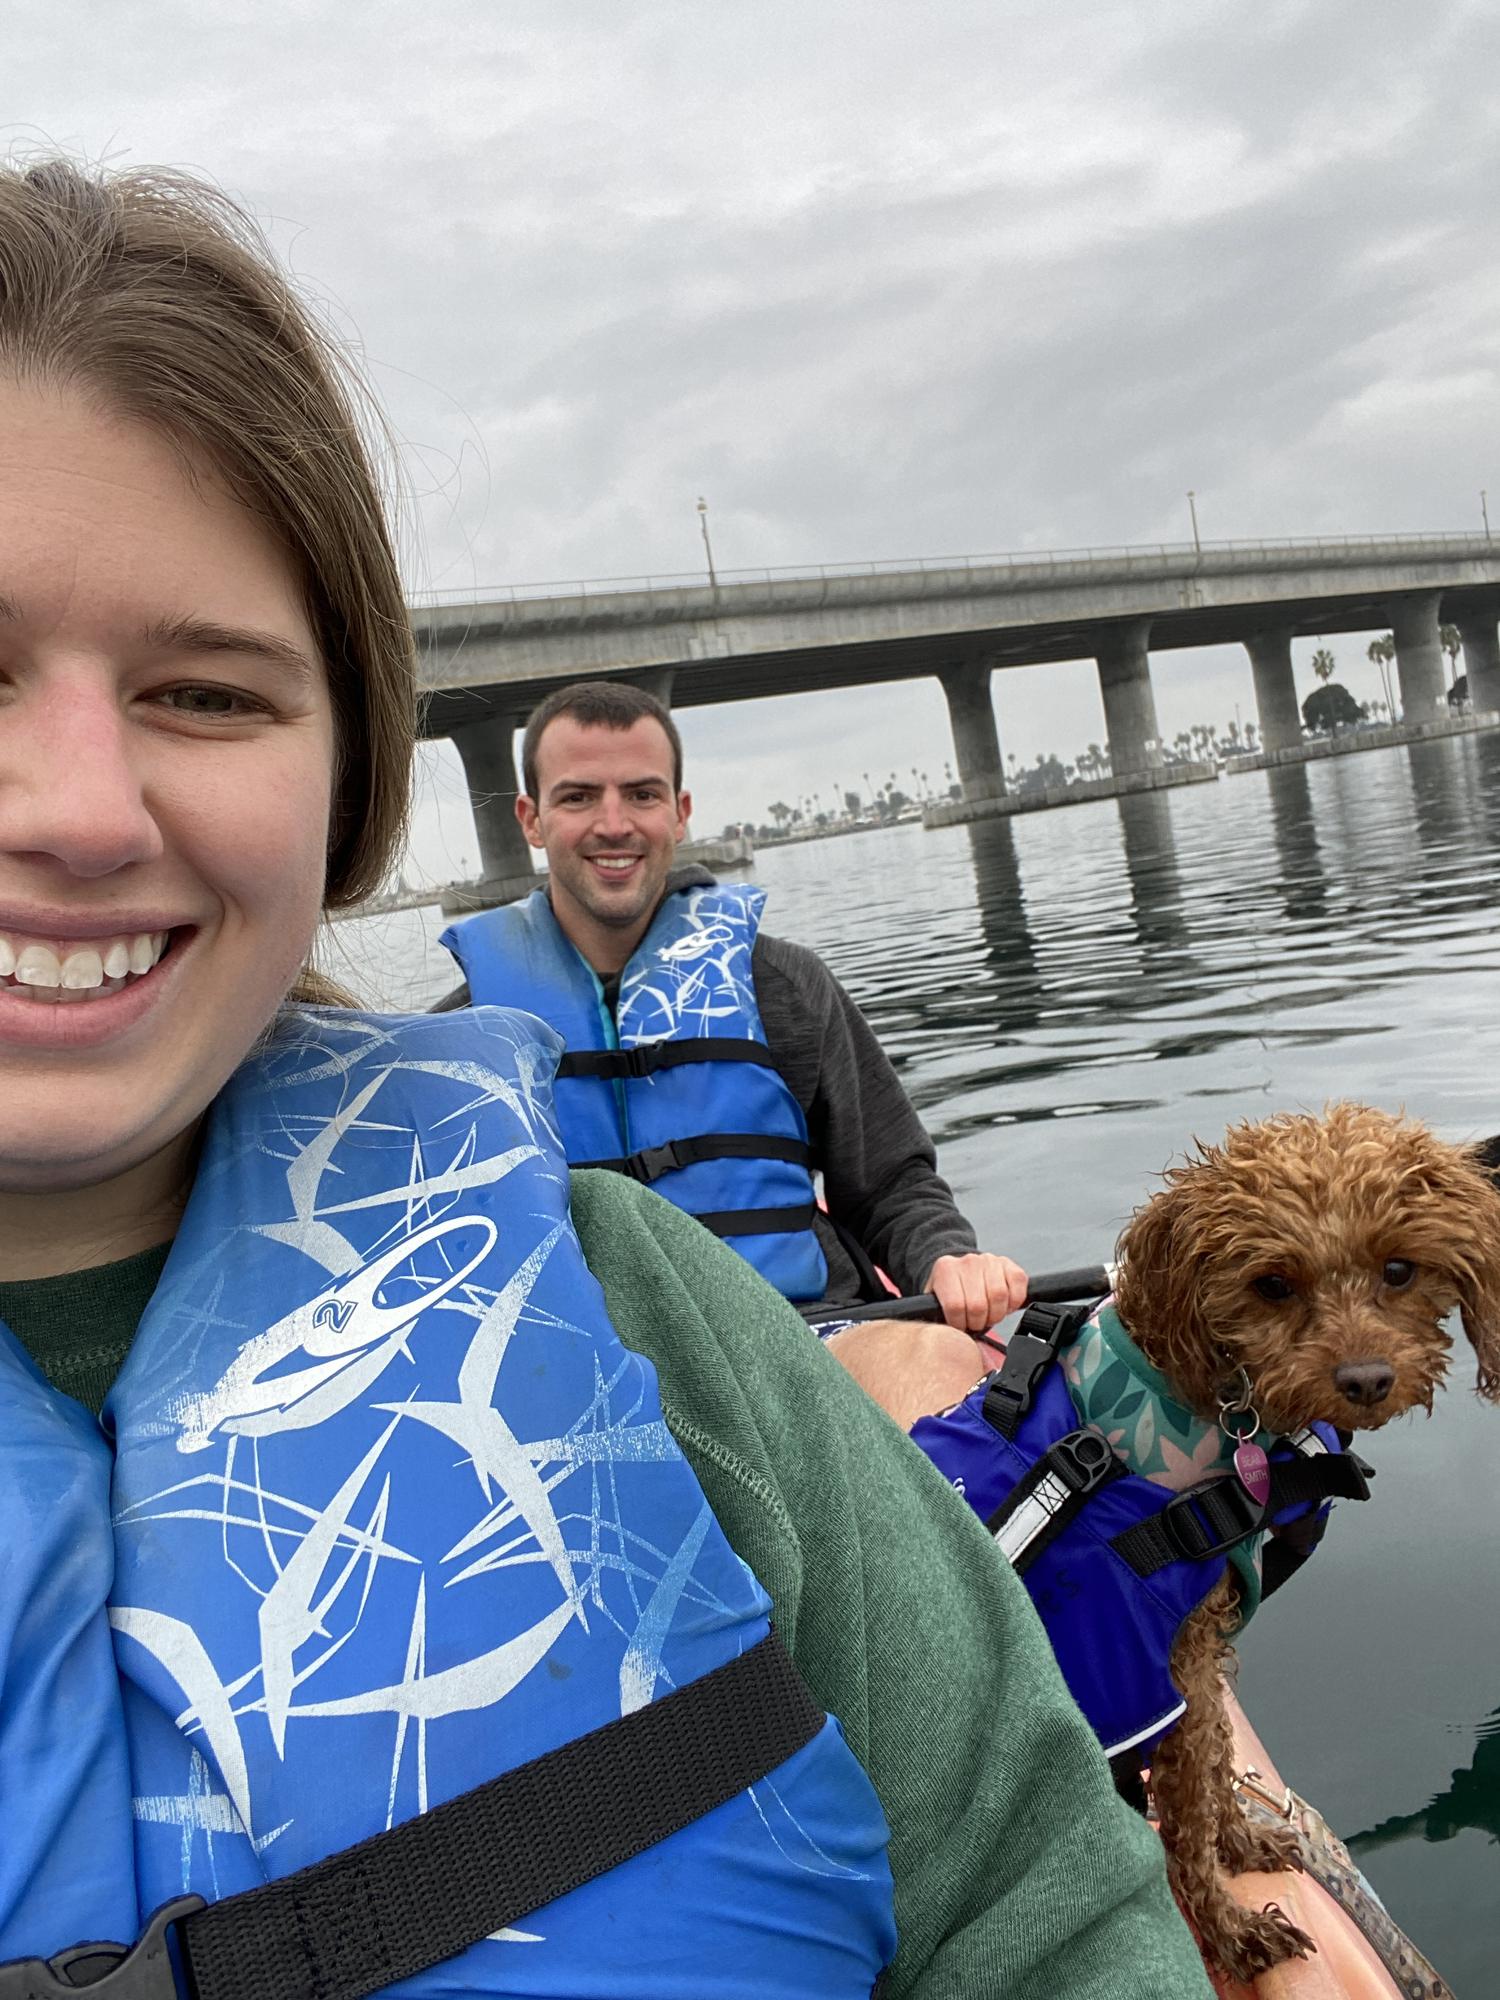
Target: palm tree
(1324,664)
(1251,732)
(1382,651)
(780,812)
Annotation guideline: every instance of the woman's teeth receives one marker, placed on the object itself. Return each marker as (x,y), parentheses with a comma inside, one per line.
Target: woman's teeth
(79,972)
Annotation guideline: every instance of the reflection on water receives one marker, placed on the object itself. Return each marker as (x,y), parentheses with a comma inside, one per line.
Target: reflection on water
(1470,1802)
(1069,997)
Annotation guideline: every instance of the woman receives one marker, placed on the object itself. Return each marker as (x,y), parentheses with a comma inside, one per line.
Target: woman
(385,1501)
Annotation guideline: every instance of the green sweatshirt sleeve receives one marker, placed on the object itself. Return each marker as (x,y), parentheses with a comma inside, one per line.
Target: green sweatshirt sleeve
(1019,1873)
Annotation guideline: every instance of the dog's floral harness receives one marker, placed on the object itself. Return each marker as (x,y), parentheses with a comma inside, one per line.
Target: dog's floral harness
(1117,1391)
(1118,1507)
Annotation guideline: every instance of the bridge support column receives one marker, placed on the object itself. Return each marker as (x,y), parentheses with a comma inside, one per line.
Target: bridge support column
(505,870)
(1129,703)
(976,740)
(1481,658)
(657,681)
(1419,657)
(1275,689)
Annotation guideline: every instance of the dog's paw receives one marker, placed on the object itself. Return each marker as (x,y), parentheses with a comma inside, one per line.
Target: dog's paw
(1256,1941)
(1253,1847)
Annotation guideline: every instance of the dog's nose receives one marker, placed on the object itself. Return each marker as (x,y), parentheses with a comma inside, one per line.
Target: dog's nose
(1365,1382)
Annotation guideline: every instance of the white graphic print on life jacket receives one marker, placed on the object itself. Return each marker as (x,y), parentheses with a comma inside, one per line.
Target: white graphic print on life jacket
(711,982)
(395,1511)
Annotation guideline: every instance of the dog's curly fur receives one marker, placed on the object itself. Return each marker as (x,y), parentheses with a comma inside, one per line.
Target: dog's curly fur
(1366,1231)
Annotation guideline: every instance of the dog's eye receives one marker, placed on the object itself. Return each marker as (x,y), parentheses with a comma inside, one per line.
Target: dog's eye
(1398,1273)
(1272,1286)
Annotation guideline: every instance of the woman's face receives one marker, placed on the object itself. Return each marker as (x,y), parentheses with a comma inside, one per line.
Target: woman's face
(166,757)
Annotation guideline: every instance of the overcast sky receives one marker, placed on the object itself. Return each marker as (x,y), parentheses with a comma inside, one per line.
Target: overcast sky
(879,280)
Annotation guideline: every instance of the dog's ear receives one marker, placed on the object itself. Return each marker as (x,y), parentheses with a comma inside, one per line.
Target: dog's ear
(1472,1204)
(1158,1286)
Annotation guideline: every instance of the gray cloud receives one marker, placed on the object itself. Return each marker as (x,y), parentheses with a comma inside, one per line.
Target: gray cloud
(879,280)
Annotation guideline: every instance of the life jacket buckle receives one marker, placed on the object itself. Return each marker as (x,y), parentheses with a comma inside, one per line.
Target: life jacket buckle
(1212,1518)
(139,1971)
(1084,1461)
(651,1162)
(1029,1353)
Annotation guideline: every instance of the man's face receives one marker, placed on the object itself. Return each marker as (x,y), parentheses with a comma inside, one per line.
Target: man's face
(609,818)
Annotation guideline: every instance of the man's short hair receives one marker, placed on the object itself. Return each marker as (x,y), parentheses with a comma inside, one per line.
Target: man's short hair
(597,705)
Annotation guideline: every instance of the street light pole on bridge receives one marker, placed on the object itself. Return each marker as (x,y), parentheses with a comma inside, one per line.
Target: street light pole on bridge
(713,581)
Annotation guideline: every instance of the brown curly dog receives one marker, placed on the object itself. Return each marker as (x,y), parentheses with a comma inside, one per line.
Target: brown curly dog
(1321,1256)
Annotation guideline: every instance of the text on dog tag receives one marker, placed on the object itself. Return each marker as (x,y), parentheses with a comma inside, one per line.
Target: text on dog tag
(1253,1470)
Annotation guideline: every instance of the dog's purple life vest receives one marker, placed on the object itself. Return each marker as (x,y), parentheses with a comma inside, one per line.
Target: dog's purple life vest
(1114,1562)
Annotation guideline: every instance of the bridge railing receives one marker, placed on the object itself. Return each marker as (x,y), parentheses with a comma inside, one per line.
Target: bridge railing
(1134,553)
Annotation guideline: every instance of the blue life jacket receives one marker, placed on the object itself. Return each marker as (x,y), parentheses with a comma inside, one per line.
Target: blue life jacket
(1114,1562)
(393,1511)
(680,1090)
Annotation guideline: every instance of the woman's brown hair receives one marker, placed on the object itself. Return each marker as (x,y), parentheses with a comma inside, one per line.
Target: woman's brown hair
(156,293)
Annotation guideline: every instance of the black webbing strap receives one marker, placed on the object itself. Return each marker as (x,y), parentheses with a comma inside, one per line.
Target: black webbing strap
(1329,1475)
(1203,1521)
(651,1162)
(649,1057)
(1211,1518)
(1031,1350)
(1057,1487)
(426,1890)
(758,1221)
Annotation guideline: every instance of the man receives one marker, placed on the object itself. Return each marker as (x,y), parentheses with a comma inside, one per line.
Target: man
(680,955)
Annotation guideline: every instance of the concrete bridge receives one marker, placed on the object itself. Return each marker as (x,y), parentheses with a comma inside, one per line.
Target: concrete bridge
(486,663)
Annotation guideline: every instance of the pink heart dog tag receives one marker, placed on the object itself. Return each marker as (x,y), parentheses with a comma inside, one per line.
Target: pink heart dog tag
(1253,1470)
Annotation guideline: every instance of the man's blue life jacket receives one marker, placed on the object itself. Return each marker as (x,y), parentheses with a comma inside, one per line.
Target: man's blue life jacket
(389,1511)
(1115,1561)
(677,1087)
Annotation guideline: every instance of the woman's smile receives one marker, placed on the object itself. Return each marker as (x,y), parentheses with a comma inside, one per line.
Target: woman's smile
(166,759)
(63,969)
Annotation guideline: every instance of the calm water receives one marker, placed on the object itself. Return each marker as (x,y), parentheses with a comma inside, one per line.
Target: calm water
(1070,997)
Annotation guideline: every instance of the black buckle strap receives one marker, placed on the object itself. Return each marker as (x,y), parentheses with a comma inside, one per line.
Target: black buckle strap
(425,1890)
(1058,1485)
(651,1162)
(141,1971)
(1029,1353)
(1204,1521)
(646,1058)
(1332,1475)
(1216,1515)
